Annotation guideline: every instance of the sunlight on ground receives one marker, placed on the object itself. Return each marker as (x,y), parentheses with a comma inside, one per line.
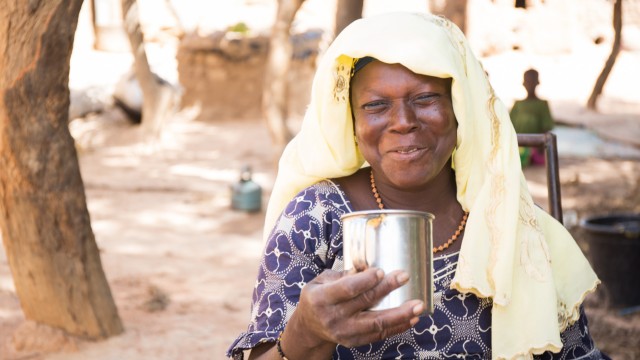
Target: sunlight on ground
(224,175)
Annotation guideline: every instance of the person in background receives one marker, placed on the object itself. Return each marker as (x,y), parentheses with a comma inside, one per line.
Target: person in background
(531,115)
(402,116)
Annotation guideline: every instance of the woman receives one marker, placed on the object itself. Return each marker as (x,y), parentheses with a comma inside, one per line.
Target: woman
(403,117)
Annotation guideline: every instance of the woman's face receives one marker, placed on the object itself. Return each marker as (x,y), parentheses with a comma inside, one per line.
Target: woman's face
(404,123)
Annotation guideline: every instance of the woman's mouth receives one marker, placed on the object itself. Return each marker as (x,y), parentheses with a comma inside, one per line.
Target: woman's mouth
(407,151)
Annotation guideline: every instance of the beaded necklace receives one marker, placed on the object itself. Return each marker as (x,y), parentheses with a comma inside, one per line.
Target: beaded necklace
(453,238)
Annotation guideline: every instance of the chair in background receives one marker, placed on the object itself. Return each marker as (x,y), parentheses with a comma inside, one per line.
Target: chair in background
(549,143)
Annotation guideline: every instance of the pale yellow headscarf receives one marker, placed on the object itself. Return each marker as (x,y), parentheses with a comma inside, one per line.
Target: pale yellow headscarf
(512,252)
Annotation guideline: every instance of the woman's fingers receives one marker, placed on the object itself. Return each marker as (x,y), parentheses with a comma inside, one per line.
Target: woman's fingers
(334,307)
(348,286)
(354,292)
(372,296)
(371,326)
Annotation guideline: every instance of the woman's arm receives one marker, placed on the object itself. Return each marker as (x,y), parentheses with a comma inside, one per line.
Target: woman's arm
(266,351)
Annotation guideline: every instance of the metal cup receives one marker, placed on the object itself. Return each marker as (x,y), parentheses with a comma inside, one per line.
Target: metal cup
(392,240)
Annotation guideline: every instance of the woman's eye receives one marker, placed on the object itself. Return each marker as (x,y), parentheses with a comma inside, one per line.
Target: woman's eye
(373,105)
(425,98)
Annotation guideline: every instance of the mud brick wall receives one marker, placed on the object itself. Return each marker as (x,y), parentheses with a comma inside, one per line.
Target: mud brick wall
(223,73)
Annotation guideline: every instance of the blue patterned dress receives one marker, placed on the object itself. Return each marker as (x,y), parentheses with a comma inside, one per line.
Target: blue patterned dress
(307,239)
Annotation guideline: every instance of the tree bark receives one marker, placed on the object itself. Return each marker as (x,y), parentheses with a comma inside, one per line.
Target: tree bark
(158,96)
(615,50)
(454,10)
(347,12)
(275,97)
(44,219)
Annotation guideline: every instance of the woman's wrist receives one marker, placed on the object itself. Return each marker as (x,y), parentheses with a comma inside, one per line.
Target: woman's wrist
(279,347)
(294,345)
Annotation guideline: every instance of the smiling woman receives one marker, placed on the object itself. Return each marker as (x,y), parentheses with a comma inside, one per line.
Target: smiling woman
(402,117)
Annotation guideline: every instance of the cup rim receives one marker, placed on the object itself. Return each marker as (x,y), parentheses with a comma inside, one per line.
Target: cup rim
(373,213)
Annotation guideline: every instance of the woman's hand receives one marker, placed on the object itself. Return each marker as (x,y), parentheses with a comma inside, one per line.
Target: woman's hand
(333,309)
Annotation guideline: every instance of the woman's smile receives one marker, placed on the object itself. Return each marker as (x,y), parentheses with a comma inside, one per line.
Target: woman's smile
(407,153)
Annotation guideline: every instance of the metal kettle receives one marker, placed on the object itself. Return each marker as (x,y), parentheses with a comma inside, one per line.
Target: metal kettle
(246,194)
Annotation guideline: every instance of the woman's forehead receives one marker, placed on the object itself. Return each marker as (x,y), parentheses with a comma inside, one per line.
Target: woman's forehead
(376,72)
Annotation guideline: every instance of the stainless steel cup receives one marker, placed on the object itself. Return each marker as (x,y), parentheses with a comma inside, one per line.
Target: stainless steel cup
(392,240)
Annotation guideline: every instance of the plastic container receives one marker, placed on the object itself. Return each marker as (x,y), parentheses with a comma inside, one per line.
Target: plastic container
(614,252)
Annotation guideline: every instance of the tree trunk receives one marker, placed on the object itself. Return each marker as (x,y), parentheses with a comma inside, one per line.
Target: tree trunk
(158,96)
(347,12)
(454,10)
(275,97)
(615,50)
(44,219)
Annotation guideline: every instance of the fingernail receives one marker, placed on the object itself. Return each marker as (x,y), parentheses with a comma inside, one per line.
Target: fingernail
(402,277)
(418,309)
(414,321)
(380,274)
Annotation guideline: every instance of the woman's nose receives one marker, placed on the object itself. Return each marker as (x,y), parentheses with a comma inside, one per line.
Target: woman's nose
(403,119)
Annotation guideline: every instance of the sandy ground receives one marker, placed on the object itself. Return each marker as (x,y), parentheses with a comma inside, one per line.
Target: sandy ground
(181,264)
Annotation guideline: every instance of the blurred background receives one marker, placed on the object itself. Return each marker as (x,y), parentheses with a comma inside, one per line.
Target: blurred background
(176,185)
